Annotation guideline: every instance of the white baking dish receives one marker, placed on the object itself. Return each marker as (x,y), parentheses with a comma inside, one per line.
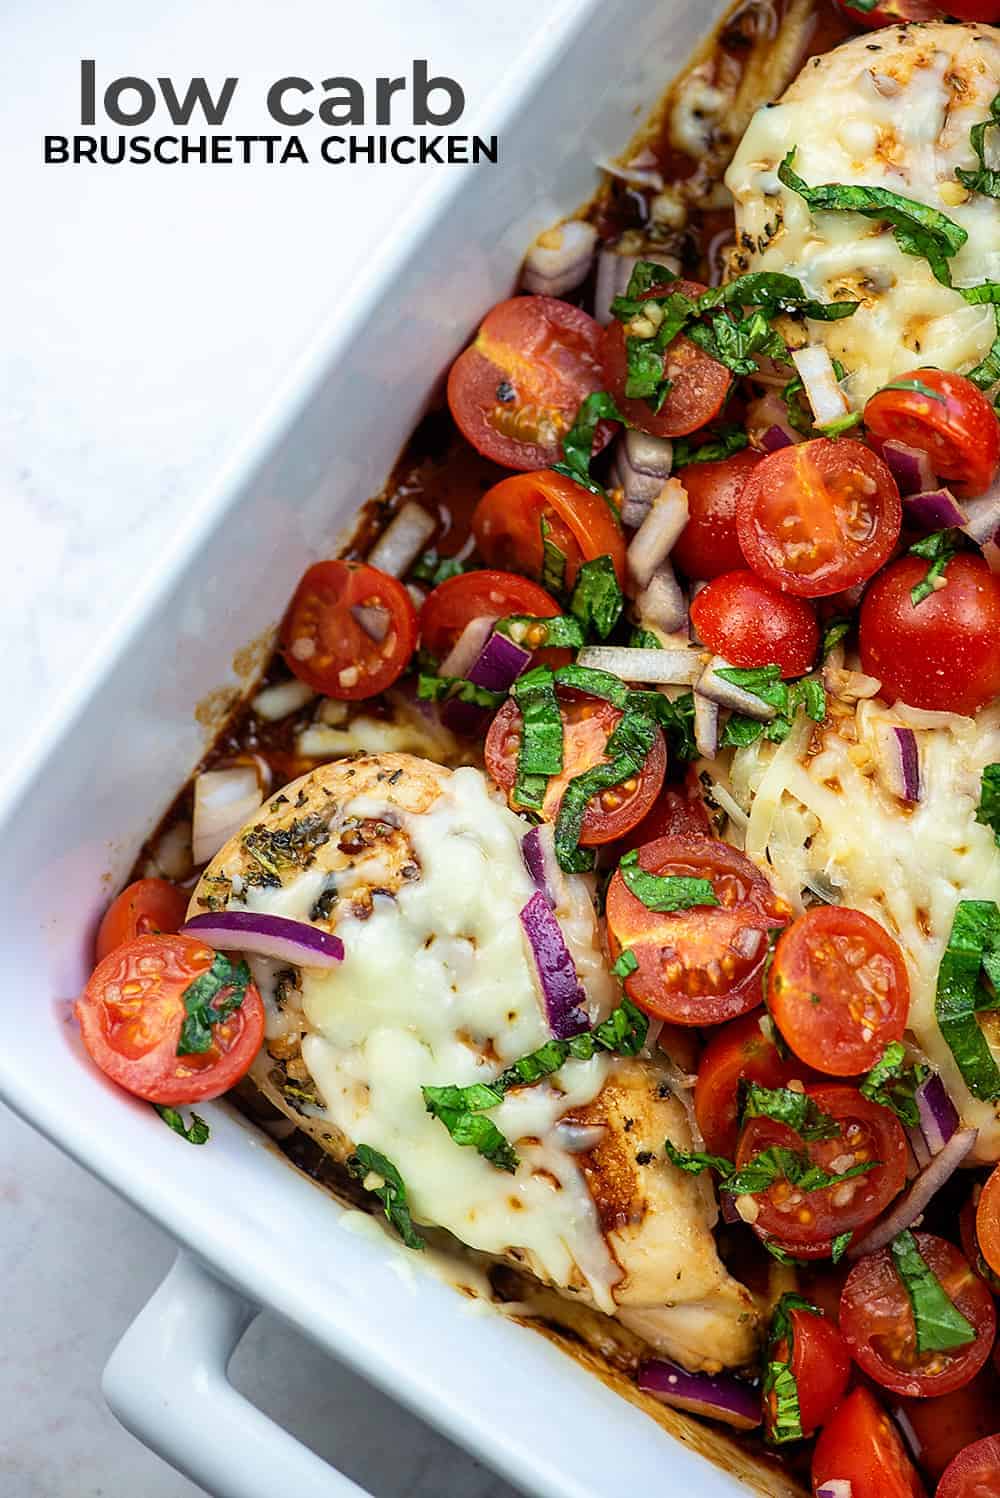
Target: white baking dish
(254,1231)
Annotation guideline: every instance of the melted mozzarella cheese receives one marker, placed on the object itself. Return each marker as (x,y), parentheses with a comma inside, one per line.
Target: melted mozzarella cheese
(437,986)
(894,112)
(827,815)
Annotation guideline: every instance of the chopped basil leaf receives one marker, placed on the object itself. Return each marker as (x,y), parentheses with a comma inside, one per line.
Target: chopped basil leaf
(780,1390)
(840,1246)
(917,229)
(722,444)
(537,633)
(862,5)
(540,752)
(893,1084)
(740,731)
(938,1322)
(786,697)
(665,892)
(432,569)
(988,810)
(737,344)
(553,560)
(431,688)
(627,748)
(645,275)
(578,443)
(391,1193)
(597,600)
(780,1163)
(196,1132)
(919,387)
(695,1161)
(795,1109)
(624,1031)
(987,371)
(937,548)
(974,943)
(626,963)
(773,292)
(985,179)
(799,414)
(644,639)
(763,681)
(594,682)
(833,634)
(675,717)
(211,998)
(470,1127)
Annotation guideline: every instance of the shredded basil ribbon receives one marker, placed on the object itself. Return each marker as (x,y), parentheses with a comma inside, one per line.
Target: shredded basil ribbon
(840,1245)
(722,443)
(553,560)
(209,1000)
(938,549)
(985,180)
(578,443)
(780,1386)
(795,1109)
(536,632)
(597,600)
(627,748)
(893,1084)
(833,634)
(391,1193)
(664,892)
(432,569)
(786,697)
(973,950)
(540,751)
(937,1321)
(988,810)
(432,688)
(775,1163)
(196,1132)
(461,1109)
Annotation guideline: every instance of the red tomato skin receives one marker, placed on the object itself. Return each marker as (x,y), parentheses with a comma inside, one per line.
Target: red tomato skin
(507,524)
(891,13)
(144,908)
(320,614)
(453,604)
(942,653)
(736,1050)
(975,1472)
(701,383)
(975,10)
(818,486)
(821,1365)
(988,1221)
(709,544)
(859,1444)
(808,963)
(135,1044)
(744,619)
(958,430)
(679,809)
(875,1302)
(948,1423)
(545,353)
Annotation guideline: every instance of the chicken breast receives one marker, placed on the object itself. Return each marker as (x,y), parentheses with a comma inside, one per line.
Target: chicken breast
(891,109)
(419,870)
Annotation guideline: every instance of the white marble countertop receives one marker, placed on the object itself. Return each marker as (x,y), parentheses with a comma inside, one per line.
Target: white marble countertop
(149,313)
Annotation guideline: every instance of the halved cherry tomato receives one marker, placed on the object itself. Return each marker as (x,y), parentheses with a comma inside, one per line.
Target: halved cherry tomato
(969,1237)
(704,965)
(678,808)
(737,1050)
(860,1445)
(516,391)
(708,544)
(876,1318)
(838,989)
(975,1472)
(974,10)
(486,594)
(508,525)
(132,1010)
(587,724)
(700,383)
(744,619)
(945,1425)
(334,647)
(809,1218)
(988,1221)
(941,653)
(819,516)
(892,12)
(953,423)
(820,1364)
(145,908)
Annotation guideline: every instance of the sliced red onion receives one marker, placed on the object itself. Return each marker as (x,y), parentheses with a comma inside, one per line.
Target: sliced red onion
(706,726)
(900,761)
(467,649)
(560,259)
(727,1208)
(767,422)
(909,466)
(918,1149)
(938,1114)
(915,1198)
(223,801)
(836,1487)
(561,988)
(983,516)
(374,621)
(717,689)
(934,510)
(403,539)
(717,1395)
(272,936)
(467,720)
(614,272)
(640,467)
(774,438)
(668,668)
(281,700)
(655,537)
(538,848)
(816,371)
(534,862)
(661,604)
(499,664)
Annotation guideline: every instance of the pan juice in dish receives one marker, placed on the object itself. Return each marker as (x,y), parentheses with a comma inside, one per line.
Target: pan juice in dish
(603,884)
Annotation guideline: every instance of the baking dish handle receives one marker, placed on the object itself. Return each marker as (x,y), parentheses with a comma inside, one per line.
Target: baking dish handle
(167,1382)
